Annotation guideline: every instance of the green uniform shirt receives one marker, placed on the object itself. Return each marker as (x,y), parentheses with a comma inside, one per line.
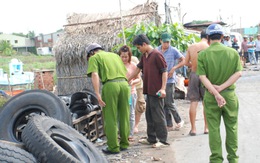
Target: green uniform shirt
(218,63)
(108,65)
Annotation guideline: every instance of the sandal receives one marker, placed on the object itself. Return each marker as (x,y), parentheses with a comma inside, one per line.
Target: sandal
(131,139)
(160,144)
(192,133)
(144,141)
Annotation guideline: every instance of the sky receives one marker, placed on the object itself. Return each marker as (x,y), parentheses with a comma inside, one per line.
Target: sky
(48,16)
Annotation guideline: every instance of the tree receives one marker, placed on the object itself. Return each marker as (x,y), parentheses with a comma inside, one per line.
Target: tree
(60,30)
(31,34)
(19,34)
(180,39)
(6,48)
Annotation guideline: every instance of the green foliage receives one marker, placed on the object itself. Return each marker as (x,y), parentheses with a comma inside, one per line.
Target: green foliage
(19,34)
(180,39)
(31,34)
(30,62)
(60,30)
(6,48)
(2,101)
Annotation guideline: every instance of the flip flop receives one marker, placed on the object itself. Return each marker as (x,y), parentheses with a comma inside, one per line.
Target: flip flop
(144,141)
(131,139)
(192,133)
(159,145)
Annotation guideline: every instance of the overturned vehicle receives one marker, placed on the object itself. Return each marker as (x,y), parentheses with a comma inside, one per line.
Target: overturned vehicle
(50,128)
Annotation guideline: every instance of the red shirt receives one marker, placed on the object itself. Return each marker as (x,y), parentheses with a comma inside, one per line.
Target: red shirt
(153,66)
(244,46)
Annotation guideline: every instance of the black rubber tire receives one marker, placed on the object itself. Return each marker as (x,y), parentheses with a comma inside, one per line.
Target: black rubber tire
(94,100)
(82,103)
(15,113)
(51,141)
(11,153)
(19,145)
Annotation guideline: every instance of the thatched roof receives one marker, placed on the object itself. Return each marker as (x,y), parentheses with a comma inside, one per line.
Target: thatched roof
(83,29)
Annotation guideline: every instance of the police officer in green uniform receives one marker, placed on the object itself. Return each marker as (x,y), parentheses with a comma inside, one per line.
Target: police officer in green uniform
(109,69)
(219,68)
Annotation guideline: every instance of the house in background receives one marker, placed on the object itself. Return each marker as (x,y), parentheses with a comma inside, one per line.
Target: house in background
(20,44)
(45,42)
(200,27)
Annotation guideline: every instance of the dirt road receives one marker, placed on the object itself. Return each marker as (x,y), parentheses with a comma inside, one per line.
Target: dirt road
(195,149)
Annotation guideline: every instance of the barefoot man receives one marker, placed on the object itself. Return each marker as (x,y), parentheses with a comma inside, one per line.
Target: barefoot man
(195,89)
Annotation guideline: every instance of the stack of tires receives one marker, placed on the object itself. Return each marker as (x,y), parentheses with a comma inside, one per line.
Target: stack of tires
(36,127)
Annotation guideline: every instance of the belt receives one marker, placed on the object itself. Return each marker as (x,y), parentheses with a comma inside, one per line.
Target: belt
(116,80)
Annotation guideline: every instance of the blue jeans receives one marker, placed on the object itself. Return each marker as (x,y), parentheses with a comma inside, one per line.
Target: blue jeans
(169,106)
(251,56)
(132,113)
(256,55)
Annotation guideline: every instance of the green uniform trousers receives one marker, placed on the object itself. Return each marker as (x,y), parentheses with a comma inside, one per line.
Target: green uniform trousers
(230,116)
(116,95)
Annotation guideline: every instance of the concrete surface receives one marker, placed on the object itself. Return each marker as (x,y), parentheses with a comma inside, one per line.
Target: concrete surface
(195,149)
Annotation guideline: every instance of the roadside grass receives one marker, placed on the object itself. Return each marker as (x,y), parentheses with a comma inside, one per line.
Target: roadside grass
(2,101)
(30,62)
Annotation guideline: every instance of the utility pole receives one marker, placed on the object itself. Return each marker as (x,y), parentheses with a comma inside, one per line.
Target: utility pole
(179,12)
(167,13)
(182,19)
(122,25)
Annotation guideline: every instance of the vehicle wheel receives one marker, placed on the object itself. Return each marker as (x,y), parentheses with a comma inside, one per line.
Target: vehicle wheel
(15,113)
(51,140)
(82,103)
(19,145)
(11,153)
(84,97)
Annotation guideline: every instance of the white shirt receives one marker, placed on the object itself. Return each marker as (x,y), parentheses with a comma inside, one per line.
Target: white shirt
(228,43)
(257,43)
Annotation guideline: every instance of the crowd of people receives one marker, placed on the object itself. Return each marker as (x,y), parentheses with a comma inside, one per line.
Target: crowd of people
(132,87)
(250,49)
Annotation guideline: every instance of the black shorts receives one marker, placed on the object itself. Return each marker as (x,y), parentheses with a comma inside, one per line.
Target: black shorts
(245,55)
(195,89)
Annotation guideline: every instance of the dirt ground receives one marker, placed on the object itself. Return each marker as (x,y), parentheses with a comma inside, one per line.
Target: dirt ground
(139,153)
(180,141)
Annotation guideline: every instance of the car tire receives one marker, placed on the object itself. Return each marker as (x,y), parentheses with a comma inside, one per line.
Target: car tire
(11,153)
(15,113)
(51,140)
